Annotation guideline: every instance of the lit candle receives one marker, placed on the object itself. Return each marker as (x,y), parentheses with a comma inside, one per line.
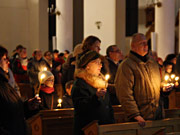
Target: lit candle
(176,78)
(176,81)
(45,69)
(107,76)
(166,78)
(59,102)
(41,78)
(172,76)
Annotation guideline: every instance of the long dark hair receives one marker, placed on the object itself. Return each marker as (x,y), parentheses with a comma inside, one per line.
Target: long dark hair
(6,91)
(3,51)
(89,41)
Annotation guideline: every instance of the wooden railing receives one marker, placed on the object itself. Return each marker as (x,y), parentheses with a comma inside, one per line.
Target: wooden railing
(60,122)
(132,128)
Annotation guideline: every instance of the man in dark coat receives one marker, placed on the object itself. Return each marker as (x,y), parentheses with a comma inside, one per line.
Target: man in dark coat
(35,65)
(114,57)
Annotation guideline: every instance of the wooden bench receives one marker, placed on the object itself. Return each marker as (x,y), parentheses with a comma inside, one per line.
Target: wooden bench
(60,121)
(34,125)
(132,128)
(52,122)
(57,121)
(174,99)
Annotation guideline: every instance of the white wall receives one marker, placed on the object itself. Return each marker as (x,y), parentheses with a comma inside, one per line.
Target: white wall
(20,24)
(104,11)
(64,23)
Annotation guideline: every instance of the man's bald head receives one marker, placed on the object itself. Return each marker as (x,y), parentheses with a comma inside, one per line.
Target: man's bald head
(139,44)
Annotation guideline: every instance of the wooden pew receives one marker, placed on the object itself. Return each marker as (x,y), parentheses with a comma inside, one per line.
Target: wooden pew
(60,121)
(132,128)
(174,99)
(34,125)
(119,115)
(57,121)
(172,113)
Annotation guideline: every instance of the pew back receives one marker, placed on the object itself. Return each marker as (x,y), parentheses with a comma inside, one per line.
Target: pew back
(169,125)
(57,121)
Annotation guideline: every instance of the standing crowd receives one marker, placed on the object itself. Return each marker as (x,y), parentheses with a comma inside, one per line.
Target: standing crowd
(136,81)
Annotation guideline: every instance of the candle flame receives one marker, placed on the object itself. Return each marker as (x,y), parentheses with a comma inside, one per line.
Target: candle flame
(43,76)
(45,69)
(172,76)
(176,78)
(107,76)
(166,77)
(59,100)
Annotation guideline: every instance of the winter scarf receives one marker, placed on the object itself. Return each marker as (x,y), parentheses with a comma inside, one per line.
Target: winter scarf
(97,82)
(46,89)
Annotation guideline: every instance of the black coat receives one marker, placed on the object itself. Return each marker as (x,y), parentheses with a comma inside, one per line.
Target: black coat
(48,99)
(12,109)
(67,101)
(113,69)
(89,107)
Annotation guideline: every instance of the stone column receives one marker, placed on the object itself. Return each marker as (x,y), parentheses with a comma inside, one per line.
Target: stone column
(64,25)
(165,27)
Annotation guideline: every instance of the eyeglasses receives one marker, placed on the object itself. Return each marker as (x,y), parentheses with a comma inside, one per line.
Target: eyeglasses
(50,80)
(142,43)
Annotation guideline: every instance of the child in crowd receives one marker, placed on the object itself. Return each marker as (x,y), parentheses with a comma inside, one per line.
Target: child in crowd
(67,100)
(49,98)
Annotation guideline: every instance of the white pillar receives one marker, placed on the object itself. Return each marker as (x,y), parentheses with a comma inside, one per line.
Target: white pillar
(153,42)
(64,25)
(164,27)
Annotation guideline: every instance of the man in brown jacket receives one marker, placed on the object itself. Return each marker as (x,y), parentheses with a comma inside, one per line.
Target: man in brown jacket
(138,83)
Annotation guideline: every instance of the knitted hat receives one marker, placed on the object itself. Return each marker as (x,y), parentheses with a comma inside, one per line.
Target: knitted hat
(86,58)
(44,75)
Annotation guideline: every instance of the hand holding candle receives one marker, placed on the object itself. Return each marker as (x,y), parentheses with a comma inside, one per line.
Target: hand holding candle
(169,82)
(102,92)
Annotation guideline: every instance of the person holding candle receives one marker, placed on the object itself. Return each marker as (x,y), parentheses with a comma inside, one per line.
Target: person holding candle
(13,109)
(49,98)
(138,83)
(89,93)
(35,65)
